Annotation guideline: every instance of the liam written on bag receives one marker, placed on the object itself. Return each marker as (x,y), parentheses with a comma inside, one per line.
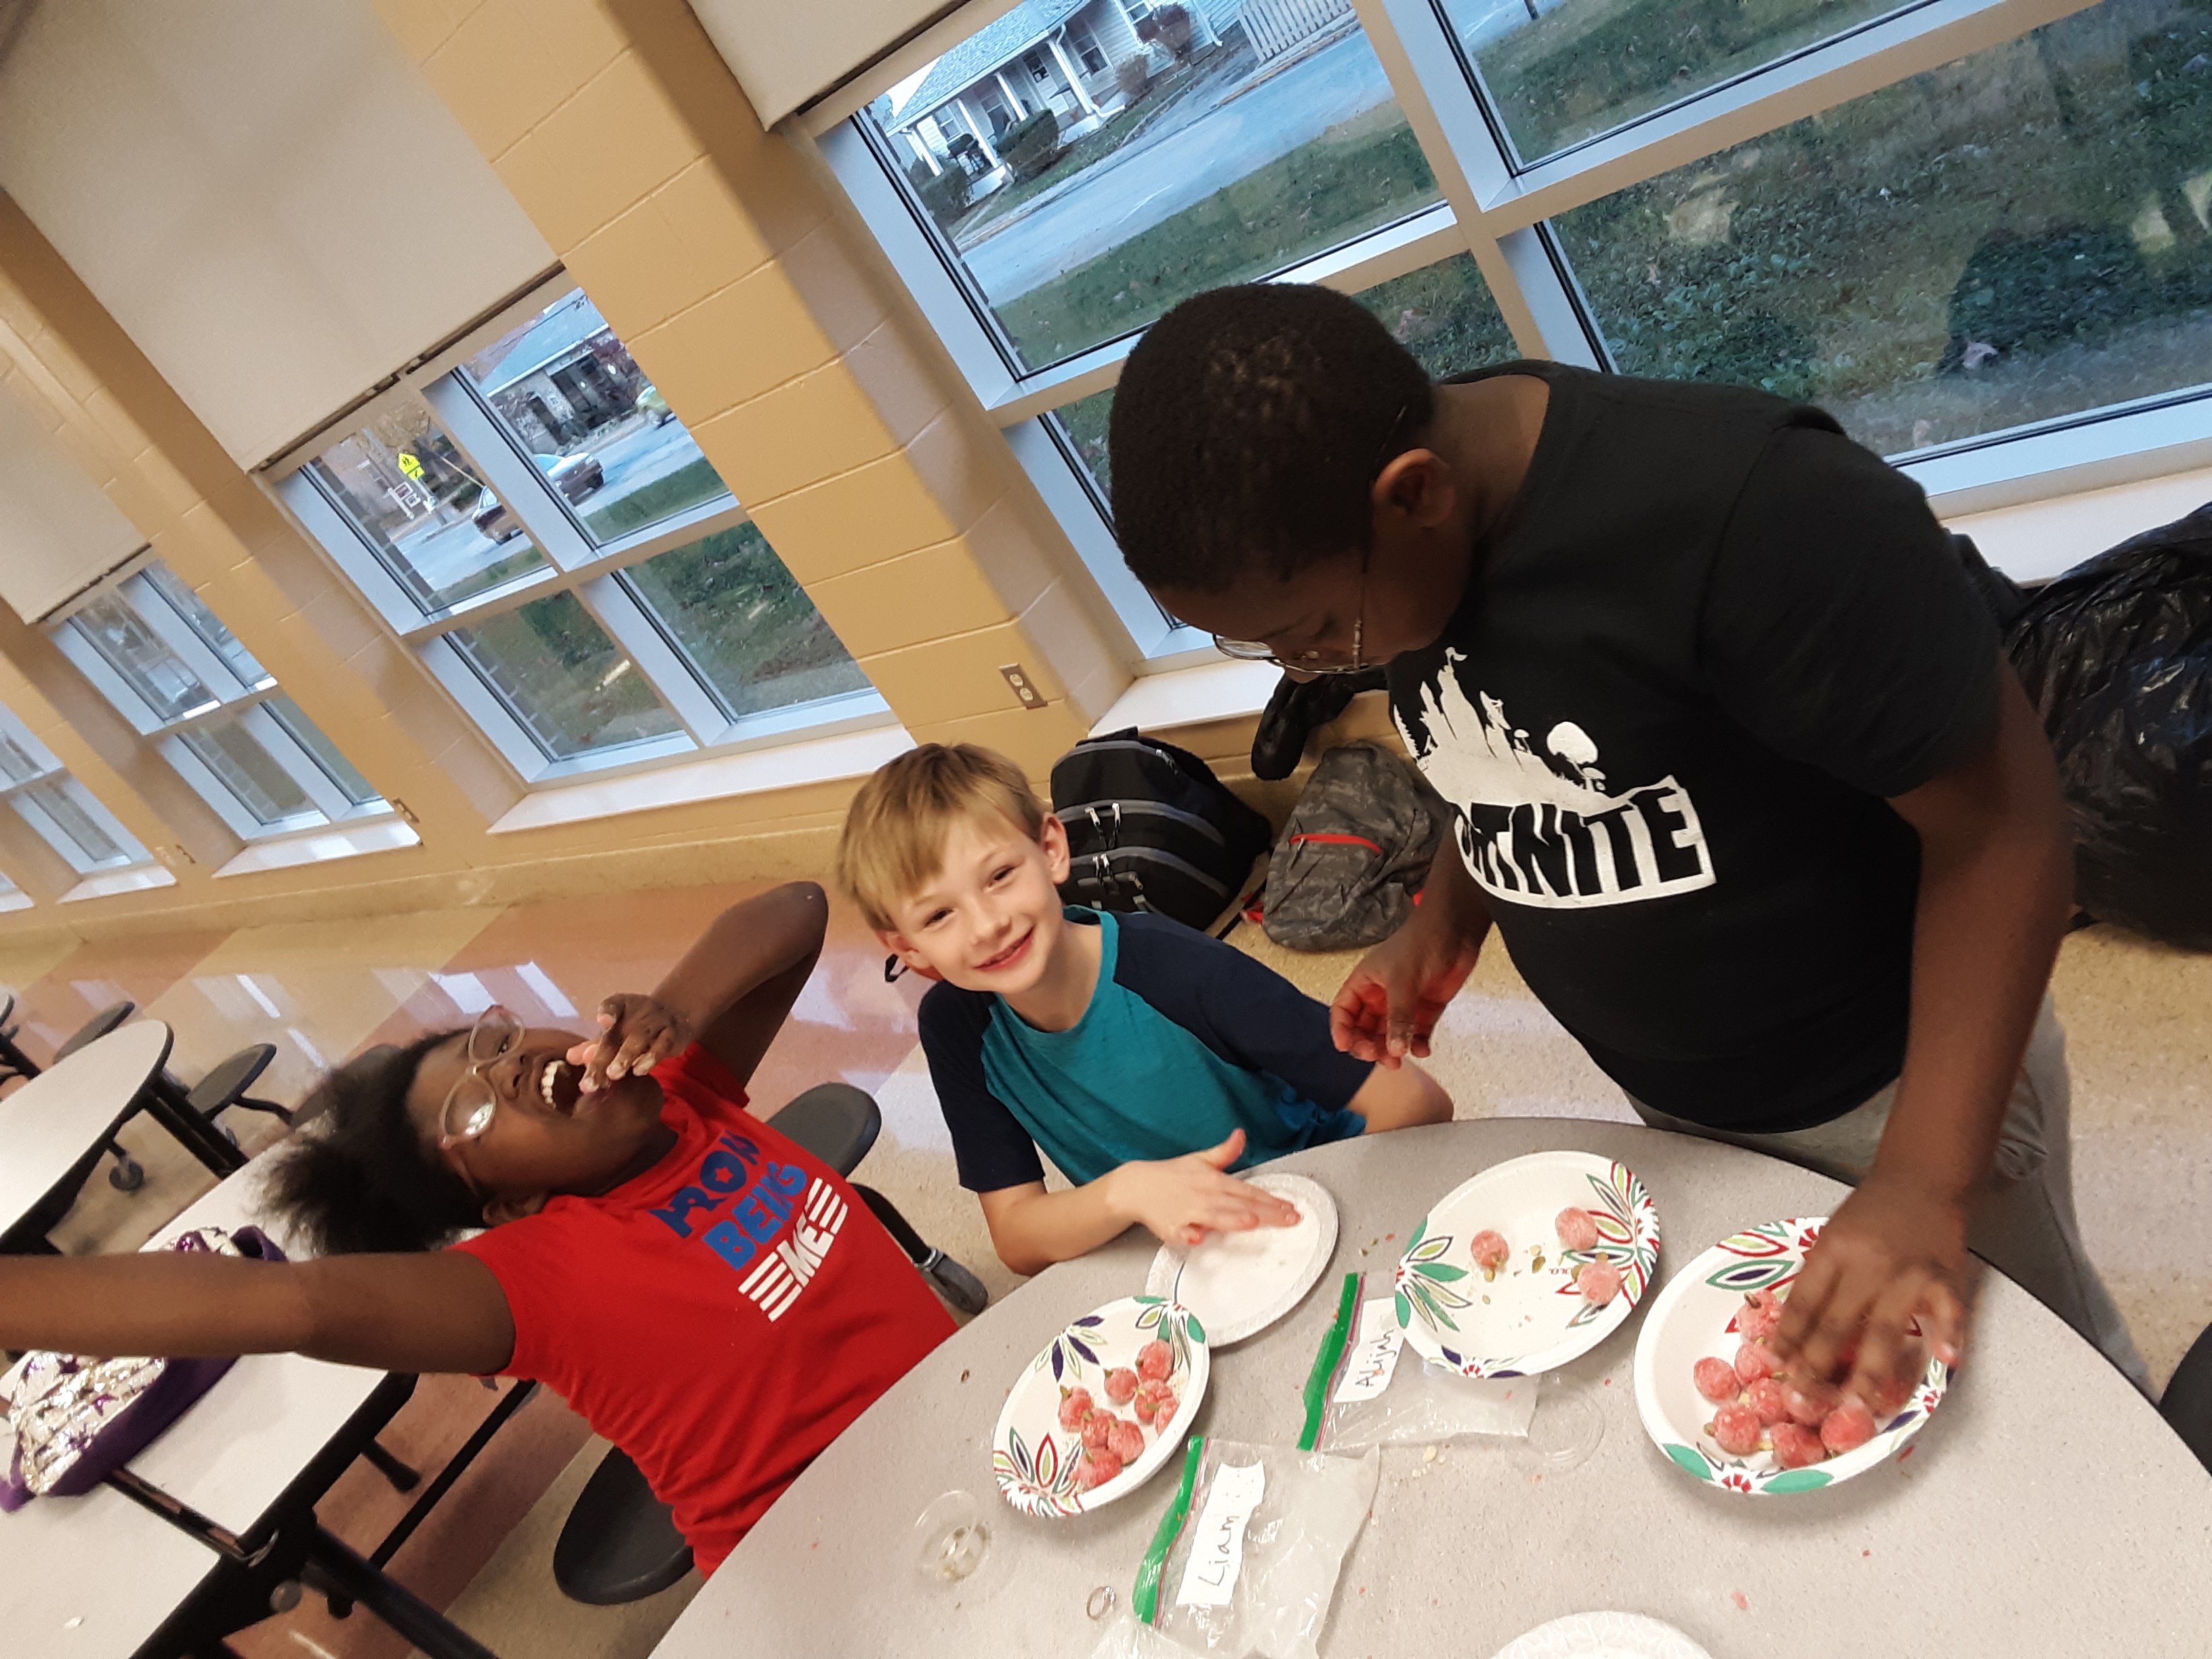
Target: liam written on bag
(67,1423)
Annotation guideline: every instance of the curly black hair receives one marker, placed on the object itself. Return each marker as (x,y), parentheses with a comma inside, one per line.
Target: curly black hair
(359,1177)
(1247,426)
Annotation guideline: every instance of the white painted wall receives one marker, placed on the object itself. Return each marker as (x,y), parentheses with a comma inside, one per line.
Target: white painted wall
(264,193)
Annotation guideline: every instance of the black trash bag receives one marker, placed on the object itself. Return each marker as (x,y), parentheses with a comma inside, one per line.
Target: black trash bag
(1357,848)
(2117,657)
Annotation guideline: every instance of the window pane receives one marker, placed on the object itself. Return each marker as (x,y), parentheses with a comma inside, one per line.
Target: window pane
(1231,146)
(2019,236)
(137,654)
(259,781)
(309,736)
(22,756)
(749,631)
(166,584)
(428,518)
(1442,314)
(85,841)
(1560,73)
(566,390)
(573,688)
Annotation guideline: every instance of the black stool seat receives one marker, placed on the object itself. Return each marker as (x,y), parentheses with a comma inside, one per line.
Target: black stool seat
(94,1028)
(230,1080)
(620,1542)
(2187,1403)
(835,1121)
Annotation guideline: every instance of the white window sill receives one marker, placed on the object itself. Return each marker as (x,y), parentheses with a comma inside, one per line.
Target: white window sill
(110,882)
(712,777)
(2039,540)
(323,846)
(1222,688)
(18,900)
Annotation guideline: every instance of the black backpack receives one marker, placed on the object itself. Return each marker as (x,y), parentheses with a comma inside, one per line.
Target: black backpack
(1151,828)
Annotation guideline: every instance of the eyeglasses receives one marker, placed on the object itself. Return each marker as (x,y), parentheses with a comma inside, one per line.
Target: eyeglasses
(1311,662)
(471,1104)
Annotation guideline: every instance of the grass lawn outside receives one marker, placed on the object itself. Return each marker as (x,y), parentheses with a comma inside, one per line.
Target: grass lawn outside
(686,487)
(1357,177)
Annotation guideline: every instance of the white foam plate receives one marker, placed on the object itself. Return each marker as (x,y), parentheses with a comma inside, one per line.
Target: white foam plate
(1239,1284)
(1603,1636)
(1528,1316)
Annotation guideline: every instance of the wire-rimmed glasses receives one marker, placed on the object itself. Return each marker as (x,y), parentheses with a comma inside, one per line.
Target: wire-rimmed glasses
(471,1104)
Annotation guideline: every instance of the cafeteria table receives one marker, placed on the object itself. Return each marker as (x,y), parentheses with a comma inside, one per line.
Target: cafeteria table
(2046,1508)
(54,1127)
(101,1577)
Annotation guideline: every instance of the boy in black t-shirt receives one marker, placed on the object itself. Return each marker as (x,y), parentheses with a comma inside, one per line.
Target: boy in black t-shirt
(1738,768)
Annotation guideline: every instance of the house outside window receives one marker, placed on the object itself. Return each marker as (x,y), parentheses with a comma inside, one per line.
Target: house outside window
(149,645)
(528,514)
(1979,234)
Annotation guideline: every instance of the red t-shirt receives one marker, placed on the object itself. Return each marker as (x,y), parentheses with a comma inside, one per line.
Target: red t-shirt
(721,1317)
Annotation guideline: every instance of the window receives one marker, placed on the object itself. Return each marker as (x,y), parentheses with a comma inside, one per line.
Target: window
(529,515)
(1967,259)
(2018,235)
(88,836)
(172,668)
(1085,44)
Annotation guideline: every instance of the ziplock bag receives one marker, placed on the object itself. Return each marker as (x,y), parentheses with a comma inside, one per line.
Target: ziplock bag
(1364,1390)
(1246,1559)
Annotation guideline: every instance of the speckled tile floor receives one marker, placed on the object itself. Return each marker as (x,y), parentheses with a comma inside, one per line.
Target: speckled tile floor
(2139,1019)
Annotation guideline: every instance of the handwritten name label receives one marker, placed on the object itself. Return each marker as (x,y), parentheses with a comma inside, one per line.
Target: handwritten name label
(1374,1353)
(1217,1550)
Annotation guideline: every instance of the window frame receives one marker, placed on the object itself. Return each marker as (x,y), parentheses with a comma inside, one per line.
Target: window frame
(441,386)
(23,796)
(234,702)
(1497,209)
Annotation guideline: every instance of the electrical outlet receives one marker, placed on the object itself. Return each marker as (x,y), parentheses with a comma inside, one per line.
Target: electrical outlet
(1019,677)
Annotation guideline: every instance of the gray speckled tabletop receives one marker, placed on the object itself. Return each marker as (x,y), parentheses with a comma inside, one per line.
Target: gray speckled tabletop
(2046,1510)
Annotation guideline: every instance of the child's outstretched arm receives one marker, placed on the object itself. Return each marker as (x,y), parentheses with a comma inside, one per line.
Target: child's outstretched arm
(1179,1200)
(439,1311)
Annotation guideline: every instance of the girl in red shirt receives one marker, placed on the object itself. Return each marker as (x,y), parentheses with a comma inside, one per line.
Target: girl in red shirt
(707,1295)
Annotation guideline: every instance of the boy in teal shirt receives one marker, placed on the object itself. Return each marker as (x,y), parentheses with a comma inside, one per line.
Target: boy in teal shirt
(1147,1059)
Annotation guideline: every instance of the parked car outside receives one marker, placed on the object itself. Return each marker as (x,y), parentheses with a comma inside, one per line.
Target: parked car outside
(574,476)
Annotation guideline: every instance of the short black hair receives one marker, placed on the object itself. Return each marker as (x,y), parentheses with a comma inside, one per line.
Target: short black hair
(1248,427)
(359,1177)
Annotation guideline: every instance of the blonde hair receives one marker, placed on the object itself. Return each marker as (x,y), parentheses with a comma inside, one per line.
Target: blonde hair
(895,834)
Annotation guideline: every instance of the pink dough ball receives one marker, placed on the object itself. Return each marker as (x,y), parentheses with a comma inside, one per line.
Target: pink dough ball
(1154,1361)
(1767,1301)
(1148,1399)
(1848,1427)
(1098,1468)
(1599,1282)
(1796,1446)
(1809,1406)
(1737,1428)
(1756,1324)
(1766,1397)
(1127,1441)
(1074,1407)
(1577,1229)
(1489,1250)
(1096,1429)
(1716,1380)
(1121,1385)
(1753,1361)
(1164,1410)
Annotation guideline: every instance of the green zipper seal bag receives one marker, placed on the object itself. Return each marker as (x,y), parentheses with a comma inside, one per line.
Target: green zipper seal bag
(1333,1343)
(1144,1598)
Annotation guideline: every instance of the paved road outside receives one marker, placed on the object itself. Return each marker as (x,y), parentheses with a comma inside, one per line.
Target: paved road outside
(446,555)
(1181,170)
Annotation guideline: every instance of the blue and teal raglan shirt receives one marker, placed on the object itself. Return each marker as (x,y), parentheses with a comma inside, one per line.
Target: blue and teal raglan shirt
(1186,1038)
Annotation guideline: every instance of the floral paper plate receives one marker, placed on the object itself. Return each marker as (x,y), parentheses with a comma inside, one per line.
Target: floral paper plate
(1240,1283)
(1530,1315)
(1038,1462)
(1694,1317)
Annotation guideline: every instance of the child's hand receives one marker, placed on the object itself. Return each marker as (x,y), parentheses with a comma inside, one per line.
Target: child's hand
(1181,1199)
(640,1033)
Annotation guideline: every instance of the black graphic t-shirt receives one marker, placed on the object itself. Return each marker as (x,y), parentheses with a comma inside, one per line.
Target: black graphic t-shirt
(1707,641)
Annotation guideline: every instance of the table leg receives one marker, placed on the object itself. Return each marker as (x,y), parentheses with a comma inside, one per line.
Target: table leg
(334,1570)
(202,1140)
